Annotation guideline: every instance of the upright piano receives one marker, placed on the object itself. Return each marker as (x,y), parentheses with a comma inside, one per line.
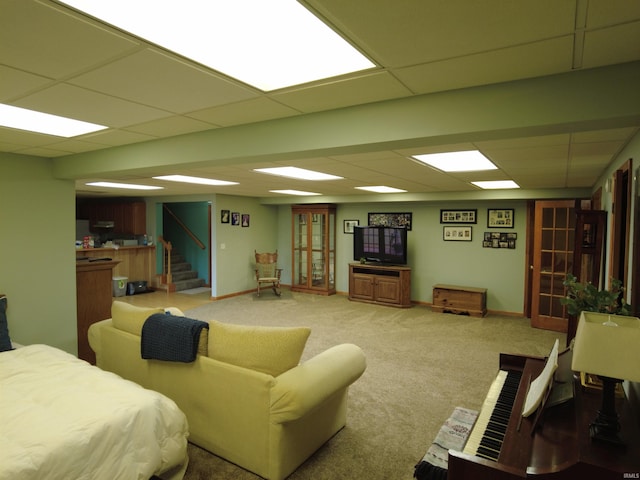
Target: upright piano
(553,443)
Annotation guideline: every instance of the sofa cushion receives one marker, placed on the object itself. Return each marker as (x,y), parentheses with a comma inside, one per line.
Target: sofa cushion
(130,318)
(271,350)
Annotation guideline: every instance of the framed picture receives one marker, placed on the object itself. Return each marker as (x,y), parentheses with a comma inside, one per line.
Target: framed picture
(349,224)
(224,216)
(235,218)
(456,234)
(245,219)
(459,216)
(499,240)
(500,218)
(390,220)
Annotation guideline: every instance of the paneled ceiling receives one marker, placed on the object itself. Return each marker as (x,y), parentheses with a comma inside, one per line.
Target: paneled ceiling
(55,60)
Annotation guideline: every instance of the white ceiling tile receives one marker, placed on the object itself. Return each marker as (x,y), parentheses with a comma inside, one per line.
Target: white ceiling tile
(190,87)
(89,106)
(607,46)
(114,137)
(603,13)
(49,40)
(410,33)
(170,126)
(341,93)
(545,57)
(248,111)
(16,83)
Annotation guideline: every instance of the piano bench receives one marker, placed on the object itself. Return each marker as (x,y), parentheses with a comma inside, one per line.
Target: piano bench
(455,299)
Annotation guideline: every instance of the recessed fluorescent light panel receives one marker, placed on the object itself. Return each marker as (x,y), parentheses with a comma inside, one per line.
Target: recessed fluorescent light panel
(196,180)
(465,161)
(381,189)
(268,44)
(294,192)
(497,184)
(32,121)
(129,186)
(297,173)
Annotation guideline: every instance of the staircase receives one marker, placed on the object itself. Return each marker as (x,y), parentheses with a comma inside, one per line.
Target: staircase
(184,277)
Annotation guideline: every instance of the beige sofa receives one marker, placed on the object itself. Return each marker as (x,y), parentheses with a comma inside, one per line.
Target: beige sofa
(246,397)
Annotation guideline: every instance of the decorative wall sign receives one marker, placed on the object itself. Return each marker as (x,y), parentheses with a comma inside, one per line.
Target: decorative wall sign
(499,240)
(390,220)
(456,234)
(459,216)
(500,218)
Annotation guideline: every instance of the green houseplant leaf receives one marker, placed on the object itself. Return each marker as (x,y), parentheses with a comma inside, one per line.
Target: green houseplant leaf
(586,297)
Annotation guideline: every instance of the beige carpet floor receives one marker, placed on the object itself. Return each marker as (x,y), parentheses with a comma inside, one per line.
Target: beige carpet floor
(420,365)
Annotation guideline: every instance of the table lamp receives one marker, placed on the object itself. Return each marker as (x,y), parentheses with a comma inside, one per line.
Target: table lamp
(607,346)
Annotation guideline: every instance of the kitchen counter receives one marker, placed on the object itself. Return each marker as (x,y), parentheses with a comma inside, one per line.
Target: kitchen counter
(112,248)
(137,262)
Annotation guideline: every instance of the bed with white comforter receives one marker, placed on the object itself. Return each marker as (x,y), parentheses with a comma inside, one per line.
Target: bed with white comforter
(61,418)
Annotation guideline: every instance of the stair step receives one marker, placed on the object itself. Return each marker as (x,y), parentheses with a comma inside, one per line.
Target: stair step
(188,284)
(184,278)
(184,275)
(180,267)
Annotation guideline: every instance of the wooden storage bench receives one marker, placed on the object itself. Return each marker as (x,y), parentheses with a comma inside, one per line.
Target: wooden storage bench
(456,299)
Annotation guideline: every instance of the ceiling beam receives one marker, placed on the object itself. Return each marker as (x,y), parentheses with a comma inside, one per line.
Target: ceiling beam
(583,100)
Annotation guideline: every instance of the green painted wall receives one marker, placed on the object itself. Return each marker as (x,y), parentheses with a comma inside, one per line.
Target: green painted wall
(235,246)
(37,252)
(433,260)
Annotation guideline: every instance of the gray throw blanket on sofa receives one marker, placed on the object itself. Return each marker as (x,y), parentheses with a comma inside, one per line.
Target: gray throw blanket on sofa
(171,338)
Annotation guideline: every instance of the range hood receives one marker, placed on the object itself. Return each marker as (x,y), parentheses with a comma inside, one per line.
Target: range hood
(104,224)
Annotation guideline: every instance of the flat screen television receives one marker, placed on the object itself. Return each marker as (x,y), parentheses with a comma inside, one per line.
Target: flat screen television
(384,245)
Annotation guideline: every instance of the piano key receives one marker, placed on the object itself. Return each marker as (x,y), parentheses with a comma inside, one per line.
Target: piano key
(485,439)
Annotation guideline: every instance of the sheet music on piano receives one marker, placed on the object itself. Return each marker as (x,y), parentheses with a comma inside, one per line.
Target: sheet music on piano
(539,387)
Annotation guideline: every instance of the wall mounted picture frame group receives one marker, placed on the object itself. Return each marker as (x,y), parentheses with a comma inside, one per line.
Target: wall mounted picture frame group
(459,216)
(390,220)
(500,218)
(456,234)
(499,240)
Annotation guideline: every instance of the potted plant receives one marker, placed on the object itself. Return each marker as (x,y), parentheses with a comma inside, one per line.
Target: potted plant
(585,297)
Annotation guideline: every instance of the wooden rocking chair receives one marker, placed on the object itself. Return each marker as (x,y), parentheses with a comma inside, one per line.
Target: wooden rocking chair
(267,271)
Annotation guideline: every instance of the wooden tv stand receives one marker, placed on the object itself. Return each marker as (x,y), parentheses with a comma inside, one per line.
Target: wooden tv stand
(381,284)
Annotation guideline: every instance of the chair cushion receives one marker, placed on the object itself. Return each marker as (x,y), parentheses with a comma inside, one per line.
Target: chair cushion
(271,350)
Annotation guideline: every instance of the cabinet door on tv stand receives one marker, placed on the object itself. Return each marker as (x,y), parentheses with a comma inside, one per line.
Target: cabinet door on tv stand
(363,286)
(388,290)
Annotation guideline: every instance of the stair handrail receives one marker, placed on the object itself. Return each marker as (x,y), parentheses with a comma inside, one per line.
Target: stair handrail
(166,259)
(185,228)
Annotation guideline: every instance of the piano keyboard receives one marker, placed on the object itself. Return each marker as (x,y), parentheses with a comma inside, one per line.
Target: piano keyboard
(485,440)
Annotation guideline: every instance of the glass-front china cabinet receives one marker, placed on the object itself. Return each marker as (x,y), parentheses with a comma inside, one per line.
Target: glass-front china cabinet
(313,243)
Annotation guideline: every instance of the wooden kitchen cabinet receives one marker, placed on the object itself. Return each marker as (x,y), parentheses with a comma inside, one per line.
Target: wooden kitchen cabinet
(94,292)
(128,217)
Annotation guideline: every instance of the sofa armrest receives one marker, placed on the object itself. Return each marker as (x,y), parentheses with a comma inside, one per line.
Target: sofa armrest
(93,336)
(302,388)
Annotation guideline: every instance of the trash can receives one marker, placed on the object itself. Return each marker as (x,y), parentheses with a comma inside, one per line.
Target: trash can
(119,286)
